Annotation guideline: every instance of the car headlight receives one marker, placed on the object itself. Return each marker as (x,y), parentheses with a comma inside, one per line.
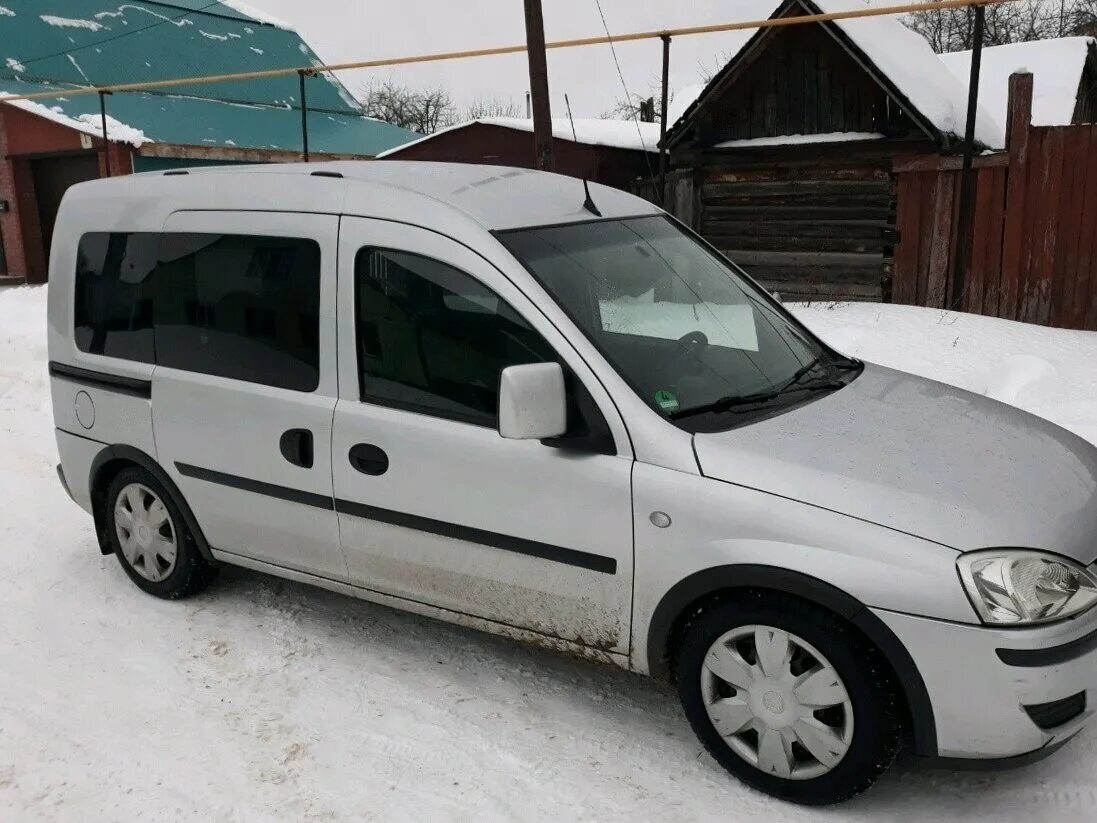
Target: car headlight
(1020,587)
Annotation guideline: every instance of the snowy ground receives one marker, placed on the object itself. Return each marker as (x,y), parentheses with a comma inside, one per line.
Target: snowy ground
(266,700)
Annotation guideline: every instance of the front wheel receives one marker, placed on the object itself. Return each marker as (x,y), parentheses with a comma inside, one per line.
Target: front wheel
(788,698)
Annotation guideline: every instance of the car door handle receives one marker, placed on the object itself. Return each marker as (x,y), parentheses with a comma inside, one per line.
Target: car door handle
(369,459)
(296,447)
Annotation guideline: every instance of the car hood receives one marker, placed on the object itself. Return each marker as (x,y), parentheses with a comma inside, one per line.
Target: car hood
(924,458)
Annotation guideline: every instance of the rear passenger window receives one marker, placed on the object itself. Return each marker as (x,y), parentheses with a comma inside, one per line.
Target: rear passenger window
(239,306)
(243,307)
(434,340)
(113,310)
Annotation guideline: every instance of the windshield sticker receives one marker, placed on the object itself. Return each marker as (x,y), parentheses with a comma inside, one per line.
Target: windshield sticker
(667,401)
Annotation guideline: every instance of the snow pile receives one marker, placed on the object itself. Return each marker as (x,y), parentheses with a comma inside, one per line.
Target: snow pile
(619,134)
(266,700)
(15,65)
(797,139)
(1048,372)
(1056,67)
(70,22)
(6,12)
(117,132)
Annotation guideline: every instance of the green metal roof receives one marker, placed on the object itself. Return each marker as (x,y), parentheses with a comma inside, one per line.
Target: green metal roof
(51,44)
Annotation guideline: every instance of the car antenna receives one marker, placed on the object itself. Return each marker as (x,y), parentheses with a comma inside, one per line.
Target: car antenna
(588,204)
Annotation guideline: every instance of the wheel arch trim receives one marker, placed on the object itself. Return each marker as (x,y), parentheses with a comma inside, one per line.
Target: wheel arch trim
(702,584)
(139,458)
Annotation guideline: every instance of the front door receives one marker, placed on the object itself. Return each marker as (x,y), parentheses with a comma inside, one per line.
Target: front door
(434,505)
(245,384)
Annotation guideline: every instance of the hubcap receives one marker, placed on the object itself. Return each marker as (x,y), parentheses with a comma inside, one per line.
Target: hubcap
(145,532)
(777,702)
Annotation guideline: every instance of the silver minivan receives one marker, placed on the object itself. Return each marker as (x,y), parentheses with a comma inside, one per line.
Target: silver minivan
(477,394)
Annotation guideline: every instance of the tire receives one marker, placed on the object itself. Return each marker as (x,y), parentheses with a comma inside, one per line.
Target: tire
(144,552)
(866,716)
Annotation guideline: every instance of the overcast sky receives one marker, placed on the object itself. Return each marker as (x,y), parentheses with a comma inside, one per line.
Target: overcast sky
(344,30)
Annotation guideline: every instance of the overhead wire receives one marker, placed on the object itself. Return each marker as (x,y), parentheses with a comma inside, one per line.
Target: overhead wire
(624,85)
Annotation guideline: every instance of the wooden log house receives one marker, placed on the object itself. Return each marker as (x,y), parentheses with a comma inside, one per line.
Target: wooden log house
(785,160)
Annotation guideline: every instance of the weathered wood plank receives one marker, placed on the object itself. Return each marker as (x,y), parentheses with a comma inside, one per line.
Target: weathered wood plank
(905,266)
(879,215)
(1018,136)
(992,281)
(1086,287)
(800,244)
(940,240)
(804,188)
(1036,308)
(819,228)
(818,260)
(1064,269)
(975,274)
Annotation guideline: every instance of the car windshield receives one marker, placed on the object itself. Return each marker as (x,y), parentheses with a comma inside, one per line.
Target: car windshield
(698,341)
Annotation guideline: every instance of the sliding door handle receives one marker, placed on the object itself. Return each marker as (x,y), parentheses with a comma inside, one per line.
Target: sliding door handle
(369,459)
(296,447)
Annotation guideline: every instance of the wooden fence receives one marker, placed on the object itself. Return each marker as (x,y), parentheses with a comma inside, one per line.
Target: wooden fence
(1034,231)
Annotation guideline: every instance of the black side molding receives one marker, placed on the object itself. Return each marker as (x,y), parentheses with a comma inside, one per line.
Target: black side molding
(102,380)
(318,501)
(1052,656)
(518,545)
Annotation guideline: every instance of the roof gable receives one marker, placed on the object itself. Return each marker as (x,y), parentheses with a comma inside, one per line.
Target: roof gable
(899,61)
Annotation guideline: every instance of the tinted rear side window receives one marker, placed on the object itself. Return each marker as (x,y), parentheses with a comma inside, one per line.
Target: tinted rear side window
(113,310)
(243,307)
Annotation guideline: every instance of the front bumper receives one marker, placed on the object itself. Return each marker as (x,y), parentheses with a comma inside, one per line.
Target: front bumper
(990,687)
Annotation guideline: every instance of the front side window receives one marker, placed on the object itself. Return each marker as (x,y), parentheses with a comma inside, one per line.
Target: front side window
(240,306)
(434,340)
(696,340)
(113,308)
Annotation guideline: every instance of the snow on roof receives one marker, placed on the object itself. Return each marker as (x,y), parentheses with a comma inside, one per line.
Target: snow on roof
(618,134)
(257,15)
(117,132)
(1056,67)
(798,139)
(904,58)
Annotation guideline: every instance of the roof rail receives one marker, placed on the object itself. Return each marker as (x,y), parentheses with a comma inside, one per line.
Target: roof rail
(327,174)
(174,172)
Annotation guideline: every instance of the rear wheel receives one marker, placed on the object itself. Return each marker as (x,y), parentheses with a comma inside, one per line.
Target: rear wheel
(788,698)
(148,533)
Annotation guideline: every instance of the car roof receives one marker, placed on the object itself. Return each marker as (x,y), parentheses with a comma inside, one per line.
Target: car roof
(496,197)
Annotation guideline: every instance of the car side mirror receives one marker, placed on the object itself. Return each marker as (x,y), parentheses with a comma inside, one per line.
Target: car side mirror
(532,402)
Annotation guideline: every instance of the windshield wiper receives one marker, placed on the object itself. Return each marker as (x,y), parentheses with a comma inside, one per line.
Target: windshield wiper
(733,401)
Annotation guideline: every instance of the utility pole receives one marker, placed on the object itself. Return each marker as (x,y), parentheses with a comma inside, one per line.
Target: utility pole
(538,85)
(962,247)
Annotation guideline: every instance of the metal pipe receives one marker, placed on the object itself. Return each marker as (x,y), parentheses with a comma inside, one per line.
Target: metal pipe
(864,11)
(663,121)
(962,244)
(304,117)
(103,118)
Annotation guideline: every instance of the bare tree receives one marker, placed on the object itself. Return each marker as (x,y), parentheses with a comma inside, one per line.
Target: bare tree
(641,107)
(493,107)
(423,111)
(953,29)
